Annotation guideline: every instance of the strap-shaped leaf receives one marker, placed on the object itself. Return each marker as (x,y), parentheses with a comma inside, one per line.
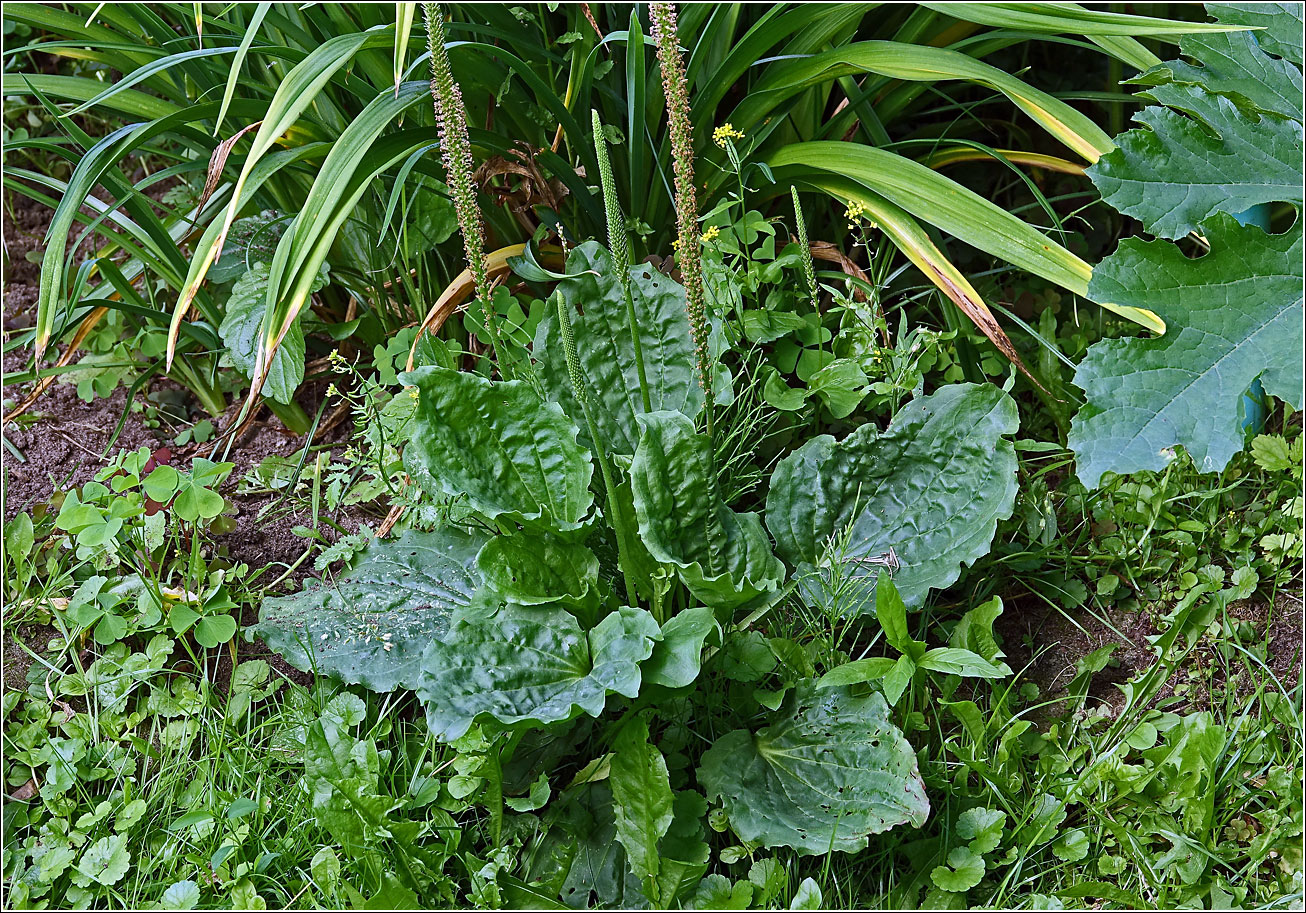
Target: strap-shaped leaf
(931,486)
(1233,315)
(496,444)
(531,666)
(723,557)
(371,626)
(605,348)
(831,770)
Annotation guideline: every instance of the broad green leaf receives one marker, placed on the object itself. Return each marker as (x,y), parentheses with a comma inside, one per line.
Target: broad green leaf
(982,827)
(532,666)
(532,569)
(372,624)
(829,772)
(341,774)
(856,672)
(1069,18)
(1180,170)
(606,352)
(678,656)
(931,486)
(807,897)
(583,838)
(955,661)
(641,797)
(1280,25)
(963,871)
(974,630)
(1234,314)
(498,446)
(723,557)
(1232,65)
(242,327)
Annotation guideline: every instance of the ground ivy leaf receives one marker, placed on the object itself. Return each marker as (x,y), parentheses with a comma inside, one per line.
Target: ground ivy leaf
(497,445)
(932,486)
(1232,316)
(531,569)
(606,350)
(532,666)
(107,860)
(982,827)
(963,871)
(831,770)
(371,624)
(723,557)
(641,797)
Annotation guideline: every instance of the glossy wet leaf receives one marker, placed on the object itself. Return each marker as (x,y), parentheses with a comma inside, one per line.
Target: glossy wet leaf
(724,557)
(830,771)
(372,623)
(499,447)
(931,486)
(677,657)
(532,666)
(537,569)
(605,347)
(641,797)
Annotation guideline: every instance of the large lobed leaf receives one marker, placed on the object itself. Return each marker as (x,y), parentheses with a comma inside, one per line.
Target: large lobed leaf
(1232,316)
(723,557)
(828,773)
(500,447)
(371,626)
(604,346)
(531,666)
(931,486)
(1229,139)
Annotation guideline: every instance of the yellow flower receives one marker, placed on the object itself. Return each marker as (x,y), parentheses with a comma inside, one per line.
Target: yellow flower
(675,245)
(855,212)
(724,134)
(711,234)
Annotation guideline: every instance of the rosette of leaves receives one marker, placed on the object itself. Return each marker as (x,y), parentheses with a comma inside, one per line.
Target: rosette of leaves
(1224,135)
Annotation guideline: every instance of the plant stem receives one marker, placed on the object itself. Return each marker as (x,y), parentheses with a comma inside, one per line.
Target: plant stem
(619,245)
(613,505)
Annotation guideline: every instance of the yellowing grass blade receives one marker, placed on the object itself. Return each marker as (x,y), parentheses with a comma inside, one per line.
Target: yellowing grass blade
(404,15)
(300,88)
(838,168)
(908,236)
(916,63)
(463,287)
(945,157)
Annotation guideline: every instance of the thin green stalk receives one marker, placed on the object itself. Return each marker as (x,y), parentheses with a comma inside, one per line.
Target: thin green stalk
(619,245)
(582,397)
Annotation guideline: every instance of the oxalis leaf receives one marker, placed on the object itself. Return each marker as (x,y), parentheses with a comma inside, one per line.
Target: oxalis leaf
(931,486)
(509,454)
(532,666)
(371,626)
(606,350)
(723,557)
(1232,315)
(828,773)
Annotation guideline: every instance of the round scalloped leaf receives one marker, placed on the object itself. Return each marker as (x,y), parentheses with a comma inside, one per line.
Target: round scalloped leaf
(371,625)
(831,771)
(531,666)
(499,447)
(932,486)
(723,557)
(605,346)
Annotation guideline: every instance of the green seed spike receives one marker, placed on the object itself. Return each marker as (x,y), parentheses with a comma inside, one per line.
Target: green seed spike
(620,248)
(809,271)
(582,397)
(456,152)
